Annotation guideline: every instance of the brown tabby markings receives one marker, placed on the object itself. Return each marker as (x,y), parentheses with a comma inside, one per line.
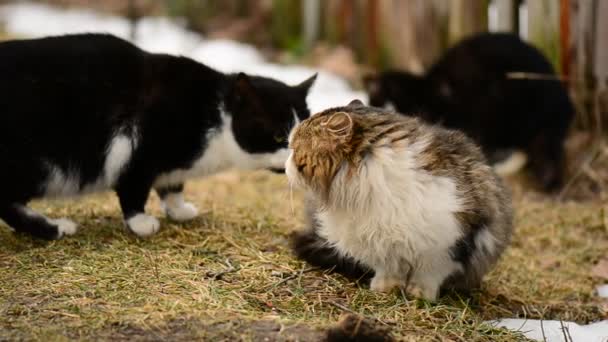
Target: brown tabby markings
(350,139)
(323,142)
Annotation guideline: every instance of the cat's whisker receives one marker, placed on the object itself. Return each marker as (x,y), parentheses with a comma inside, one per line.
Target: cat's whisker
(293,210)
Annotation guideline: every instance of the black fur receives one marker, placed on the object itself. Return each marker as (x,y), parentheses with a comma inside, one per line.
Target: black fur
(313,249)
(63,99)
(468,89)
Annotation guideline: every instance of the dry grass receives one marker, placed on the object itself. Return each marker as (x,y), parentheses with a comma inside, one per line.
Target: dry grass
(230,275)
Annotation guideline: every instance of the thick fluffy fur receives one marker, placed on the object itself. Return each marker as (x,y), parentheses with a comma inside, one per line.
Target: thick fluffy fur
(417,204)
(85,113)
(472,88)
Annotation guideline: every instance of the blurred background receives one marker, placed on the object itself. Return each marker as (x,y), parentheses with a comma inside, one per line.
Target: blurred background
(346,39)
(351,37)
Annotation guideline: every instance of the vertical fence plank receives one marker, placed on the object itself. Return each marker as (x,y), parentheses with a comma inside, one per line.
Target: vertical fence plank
(312,16)
(543,28)
(467,17)
(583,28)
(505,15)
(601,62)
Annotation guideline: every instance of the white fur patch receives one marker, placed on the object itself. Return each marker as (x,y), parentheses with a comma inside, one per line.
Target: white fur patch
(64,226)
(223,152)
(177,209)
(61,184)
(486,240)
(118,155)
(65,184)
(511,165)
(388,105)
(394,216)
(143,225)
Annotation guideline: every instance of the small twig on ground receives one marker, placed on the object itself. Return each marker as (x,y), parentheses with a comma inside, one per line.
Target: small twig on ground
(219,275)
(154,268)
(343,308)
(522,325)
(568,332)
(294,276)
(564,331)
(542,330)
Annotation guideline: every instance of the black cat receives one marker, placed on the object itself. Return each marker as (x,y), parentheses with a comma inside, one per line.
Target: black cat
(477,87)
(89,112)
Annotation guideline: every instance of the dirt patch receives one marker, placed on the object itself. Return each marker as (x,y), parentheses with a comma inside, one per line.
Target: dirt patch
(196,329)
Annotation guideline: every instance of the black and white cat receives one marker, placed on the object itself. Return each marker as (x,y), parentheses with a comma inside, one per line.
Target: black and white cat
(89,112)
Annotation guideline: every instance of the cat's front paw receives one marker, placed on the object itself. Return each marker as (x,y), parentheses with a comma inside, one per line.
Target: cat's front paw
(143,225)
(383,283)
(183,212)
(429,293)
(64,226)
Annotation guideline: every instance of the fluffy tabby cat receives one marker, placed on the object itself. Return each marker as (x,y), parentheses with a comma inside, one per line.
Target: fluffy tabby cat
(472,88)
(90,112)
(416,204)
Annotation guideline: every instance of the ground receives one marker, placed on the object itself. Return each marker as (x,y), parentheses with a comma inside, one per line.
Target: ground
(229,275)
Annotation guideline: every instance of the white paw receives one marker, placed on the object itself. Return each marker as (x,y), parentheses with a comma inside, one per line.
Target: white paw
(383,284)
(64,226)
(183,212)
(143,225)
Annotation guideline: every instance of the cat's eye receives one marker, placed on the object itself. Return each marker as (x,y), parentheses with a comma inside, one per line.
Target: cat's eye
(279,139)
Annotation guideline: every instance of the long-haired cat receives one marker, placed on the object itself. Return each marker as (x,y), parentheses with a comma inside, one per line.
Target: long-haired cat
(414,203)
(90,112)
(496,88)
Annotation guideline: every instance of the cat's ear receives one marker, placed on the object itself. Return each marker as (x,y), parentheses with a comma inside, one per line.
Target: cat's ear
(356,103)
(307,84)
(340,125)
(243,91)
(244,99)
(242,85)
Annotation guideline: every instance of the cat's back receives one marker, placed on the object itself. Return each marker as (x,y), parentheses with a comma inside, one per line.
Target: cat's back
(490,53)
(66,46)
(64,59)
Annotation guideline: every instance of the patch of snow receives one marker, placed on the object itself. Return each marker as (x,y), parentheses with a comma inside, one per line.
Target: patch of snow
(552,330)
(602,291)
(160,34)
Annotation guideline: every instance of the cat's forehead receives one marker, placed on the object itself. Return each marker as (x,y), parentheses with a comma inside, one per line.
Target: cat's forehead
(357,112)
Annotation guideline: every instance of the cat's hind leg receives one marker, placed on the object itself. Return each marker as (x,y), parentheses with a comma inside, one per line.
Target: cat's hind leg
(24,220)
(173,203)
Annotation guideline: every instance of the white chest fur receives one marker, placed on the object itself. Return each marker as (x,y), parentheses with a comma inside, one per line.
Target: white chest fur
(392,212)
